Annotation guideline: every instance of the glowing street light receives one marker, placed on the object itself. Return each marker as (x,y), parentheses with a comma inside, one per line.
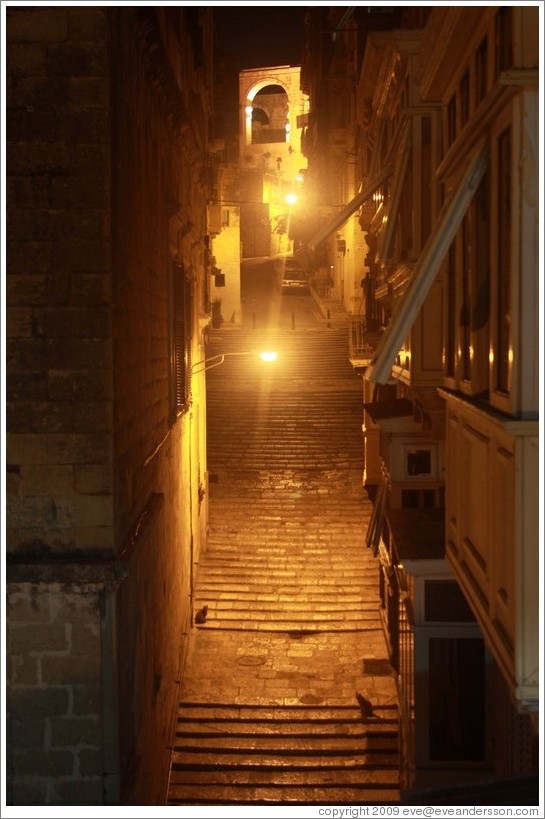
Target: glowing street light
(291,198)
(216,360)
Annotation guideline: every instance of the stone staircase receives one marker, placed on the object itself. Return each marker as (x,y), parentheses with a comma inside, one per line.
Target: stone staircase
(302,755)
(268,713)
(272,566)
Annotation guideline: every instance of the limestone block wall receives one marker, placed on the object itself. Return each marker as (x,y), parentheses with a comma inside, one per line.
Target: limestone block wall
(103,512)
(59,391)
(60,493)
(54,730)
(157,174)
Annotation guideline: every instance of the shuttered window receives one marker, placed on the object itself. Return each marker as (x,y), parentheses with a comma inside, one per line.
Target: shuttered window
(181,339)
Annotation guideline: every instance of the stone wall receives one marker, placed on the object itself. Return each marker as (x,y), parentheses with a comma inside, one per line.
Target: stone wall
(60,502)
(104,512)
(156,176)
(59,395)
(54,731)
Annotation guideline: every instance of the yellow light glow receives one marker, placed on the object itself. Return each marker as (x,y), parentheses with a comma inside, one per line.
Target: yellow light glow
(249,110)
(299,178)
(491,356)
(291,198)
(268,355)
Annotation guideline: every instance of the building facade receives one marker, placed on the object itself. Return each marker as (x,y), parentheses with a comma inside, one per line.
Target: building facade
(272,112)
(258,187)
(443,153)
(108,180)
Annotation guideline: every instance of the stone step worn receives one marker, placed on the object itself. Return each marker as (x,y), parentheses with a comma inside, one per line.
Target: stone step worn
(268,712)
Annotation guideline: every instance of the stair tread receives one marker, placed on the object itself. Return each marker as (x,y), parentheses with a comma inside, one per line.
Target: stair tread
(285,557)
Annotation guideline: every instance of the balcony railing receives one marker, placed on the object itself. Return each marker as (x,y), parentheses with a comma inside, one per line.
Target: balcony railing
(363,337)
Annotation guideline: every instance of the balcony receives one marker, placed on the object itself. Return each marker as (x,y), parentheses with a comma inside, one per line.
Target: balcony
(363,337)
(492,534)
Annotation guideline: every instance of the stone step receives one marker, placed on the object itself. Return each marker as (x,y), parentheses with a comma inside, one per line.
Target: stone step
(276,759)
(286,588)
(316,794)
(305,778)
(230,551)
(286,557)
(284,626)
(265,714)
(292,745)
(329,728)
(313,575)
(307,618)
(236,598)
(276,604)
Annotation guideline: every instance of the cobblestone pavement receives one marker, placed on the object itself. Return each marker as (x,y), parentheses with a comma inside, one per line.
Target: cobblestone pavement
(268,711)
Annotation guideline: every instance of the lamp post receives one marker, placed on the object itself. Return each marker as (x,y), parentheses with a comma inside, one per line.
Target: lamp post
(215,360)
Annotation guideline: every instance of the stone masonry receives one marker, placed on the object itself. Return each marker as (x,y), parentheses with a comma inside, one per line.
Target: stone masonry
(107,118)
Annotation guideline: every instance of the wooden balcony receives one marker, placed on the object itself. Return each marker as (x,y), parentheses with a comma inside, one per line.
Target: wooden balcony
(492,534)
(363,337)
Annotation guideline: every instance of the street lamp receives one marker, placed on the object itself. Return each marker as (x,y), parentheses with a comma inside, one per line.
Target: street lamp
(216,360)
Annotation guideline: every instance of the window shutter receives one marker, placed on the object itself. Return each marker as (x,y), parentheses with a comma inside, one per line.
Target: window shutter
(182,338)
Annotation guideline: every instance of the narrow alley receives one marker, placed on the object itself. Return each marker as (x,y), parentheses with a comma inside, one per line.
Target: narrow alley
(268,710)
(307,580)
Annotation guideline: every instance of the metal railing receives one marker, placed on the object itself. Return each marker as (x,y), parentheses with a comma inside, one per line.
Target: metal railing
(363,336)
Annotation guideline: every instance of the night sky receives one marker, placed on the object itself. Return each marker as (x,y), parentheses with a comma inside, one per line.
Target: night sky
(255,36)
(251,37)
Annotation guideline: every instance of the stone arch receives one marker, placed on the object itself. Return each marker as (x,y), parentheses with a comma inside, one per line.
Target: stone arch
(267,108)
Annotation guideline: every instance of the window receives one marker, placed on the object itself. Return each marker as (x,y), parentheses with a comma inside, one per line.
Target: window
(445,603)
(480,285)
(481,71)
(426,178)
(466,273)
(427,267)
(504,39)
(451,121)
(419,462)
(450,344)
(181,339)
(503,283)
(464,99)
(467,336)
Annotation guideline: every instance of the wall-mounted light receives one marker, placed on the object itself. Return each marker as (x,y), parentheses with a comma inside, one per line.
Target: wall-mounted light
(214,361)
